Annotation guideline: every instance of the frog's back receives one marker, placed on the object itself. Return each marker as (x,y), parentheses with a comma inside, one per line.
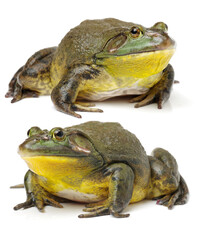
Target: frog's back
(116,144)
(81,43)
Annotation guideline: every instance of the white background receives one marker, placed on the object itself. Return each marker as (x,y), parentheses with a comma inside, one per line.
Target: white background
(27,26)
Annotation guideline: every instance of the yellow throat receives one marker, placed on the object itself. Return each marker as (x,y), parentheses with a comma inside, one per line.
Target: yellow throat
(140,65)
(54,166)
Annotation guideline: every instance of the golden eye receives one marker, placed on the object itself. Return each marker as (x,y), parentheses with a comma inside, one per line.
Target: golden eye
(58,134)
(135,31)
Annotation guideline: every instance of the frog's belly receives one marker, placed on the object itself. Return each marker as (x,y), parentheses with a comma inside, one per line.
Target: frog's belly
(77,196)
(101,96)
(106,86)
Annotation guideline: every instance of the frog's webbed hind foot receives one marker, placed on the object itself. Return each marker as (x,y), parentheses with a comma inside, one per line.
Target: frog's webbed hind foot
(12,84)
(159,93)
(32,79)
(16,91)
(179,197)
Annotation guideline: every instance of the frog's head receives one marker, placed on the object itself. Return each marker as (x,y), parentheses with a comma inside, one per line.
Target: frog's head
(139,52)
(59,152)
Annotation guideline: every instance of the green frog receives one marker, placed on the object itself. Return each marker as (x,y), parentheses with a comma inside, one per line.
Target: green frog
(97,60)
(100,164)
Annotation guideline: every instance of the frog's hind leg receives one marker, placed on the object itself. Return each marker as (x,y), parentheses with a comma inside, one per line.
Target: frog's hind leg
(12,84)
(168,185)
(179,197)
(16,91)
(32,79)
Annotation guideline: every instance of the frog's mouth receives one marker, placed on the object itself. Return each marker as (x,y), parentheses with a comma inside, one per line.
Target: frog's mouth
(137,65)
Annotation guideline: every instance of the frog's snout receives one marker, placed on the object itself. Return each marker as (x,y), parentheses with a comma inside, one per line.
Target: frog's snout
(161,40)
(30,144)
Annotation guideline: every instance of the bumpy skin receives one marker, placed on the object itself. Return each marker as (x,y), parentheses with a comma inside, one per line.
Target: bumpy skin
(96,60)
(100,164)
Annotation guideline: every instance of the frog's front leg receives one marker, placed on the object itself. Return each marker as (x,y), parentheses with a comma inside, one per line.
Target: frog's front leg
(36,194)
(65,94)
(159,93)
(120,193)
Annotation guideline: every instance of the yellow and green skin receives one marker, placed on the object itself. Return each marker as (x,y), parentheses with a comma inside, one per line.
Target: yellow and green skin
(90,163)
(97,60)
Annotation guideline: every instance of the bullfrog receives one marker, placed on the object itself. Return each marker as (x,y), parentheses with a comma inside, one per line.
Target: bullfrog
(99,164)
(98,60)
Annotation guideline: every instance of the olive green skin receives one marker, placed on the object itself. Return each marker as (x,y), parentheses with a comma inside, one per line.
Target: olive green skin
(63,71)
(108,154)
(85,47)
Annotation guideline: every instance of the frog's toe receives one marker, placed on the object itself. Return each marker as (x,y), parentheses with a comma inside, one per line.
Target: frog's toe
(27,204)
(179,197)
(98,212)
(137,98)
(67,108)
(39,202)
(146,101)
(163,200)
(52,202)
(147,98)
(83,108)
(96,204)
(9,94)
(25,94)
(120,215)
(86,104)
(92,209)
(45,201)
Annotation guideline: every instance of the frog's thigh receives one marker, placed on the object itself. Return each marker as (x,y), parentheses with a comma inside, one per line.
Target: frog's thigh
(36,72)
(165,157)
(164,172)
(167,184)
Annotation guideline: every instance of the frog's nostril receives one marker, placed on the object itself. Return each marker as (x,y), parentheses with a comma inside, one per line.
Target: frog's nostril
(45,137)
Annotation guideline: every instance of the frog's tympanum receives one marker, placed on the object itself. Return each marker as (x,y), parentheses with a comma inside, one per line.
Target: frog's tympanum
(97,60)
(100,164)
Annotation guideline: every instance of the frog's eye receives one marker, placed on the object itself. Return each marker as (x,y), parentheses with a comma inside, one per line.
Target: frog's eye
(135,32)
(34,131)
(28,133)
(59,135)
(161,26)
